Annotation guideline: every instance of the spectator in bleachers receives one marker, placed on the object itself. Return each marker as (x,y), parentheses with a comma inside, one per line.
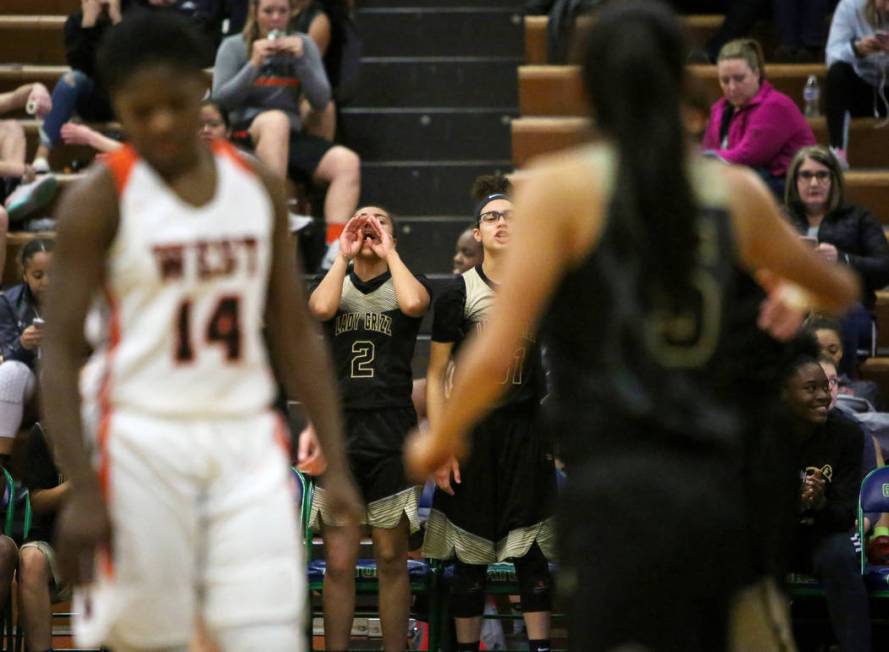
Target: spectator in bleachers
(829,334)
(214,124)
(857,60)
(78,92)
(754,124)
(259,78)
(309,17)
(38,579)
(468,252)
(20,192)
(843,233)
(21,331)
(800,27)
(830,469)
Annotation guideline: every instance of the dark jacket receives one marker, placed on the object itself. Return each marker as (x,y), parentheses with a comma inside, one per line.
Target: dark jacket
(835,448)
(16,314)
(82,44)
(860,242)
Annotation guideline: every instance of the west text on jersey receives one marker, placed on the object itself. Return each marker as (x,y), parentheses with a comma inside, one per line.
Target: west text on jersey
(206,259)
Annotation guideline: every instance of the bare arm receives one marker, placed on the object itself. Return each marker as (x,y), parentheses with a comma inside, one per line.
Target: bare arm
(319,31)
(45,501)
(300,358)
(325,299)
(413,298)
(767,242)
(87,223)
(436,377)
(16,99)
(542,233)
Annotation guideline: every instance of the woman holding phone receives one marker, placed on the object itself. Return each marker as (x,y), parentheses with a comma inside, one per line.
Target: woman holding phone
(21,332)
(840,233)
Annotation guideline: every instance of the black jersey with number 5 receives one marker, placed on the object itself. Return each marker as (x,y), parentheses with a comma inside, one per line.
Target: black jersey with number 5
(373,344)
(461,310)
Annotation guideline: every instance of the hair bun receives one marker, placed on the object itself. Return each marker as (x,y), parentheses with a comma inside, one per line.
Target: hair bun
(490,184)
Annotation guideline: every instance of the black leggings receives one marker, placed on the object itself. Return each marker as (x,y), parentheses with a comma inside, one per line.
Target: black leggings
(846,92)
(535,585)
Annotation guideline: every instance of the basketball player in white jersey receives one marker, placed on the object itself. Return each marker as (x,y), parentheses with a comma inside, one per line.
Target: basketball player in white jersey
(187,510)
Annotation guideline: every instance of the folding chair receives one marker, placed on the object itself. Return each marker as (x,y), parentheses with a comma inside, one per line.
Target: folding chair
(873,497)
(13,494)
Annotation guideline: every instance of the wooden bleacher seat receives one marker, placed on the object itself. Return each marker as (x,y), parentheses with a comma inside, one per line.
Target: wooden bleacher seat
(700,28)
(532,136)
(41,7)
(14,75)
(32,39)
(558,90)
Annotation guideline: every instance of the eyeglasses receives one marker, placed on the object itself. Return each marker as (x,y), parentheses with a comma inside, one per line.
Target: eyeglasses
(820,176)
(492,217)
(212,124)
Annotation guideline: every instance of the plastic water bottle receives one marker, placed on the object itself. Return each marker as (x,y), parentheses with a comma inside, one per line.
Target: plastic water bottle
(811,95)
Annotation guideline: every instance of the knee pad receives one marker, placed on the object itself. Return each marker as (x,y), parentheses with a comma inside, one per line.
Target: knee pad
(535,580)
(277,637)
(468,590)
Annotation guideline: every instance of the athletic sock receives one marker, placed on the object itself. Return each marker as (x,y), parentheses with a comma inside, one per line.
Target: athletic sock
(333,232)
(468,647)
(540,645)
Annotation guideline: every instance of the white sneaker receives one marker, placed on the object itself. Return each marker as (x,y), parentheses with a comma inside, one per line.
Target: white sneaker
(40,165)
(333,250)
(31,197)
(841,157)
(298,222)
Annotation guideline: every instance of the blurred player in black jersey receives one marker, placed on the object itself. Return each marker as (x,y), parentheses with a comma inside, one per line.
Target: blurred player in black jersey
(371,305)
(634,242)
(496,504)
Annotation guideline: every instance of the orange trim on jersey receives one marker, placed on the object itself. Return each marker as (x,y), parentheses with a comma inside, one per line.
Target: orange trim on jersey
(105,413)
(120,162)
(224,148)
(287,82)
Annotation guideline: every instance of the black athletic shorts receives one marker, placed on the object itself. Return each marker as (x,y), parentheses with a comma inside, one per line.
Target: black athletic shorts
(305,154)
(375,449)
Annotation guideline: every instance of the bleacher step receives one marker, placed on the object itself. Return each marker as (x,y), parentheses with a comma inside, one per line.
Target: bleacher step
(32,39)
(415,82)
(441,30)
(427,133)
(532,136)
(425,187)
(41,7)
(558,90)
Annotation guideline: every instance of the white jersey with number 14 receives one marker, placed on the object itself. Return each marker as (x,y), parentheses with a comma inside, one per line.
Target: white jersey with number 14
(185,294)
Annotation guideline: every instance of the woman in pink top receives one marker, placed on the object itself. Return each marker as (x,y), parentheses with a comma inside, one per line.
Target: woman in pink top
(754,124)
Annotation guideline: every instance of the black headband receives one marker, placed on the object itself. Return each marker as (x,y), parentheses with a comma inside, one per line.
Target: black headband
(487,200)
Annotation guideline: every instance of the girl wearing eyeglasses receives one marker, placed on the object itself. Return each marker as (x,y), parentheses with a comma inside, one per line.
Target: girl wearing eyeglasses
(496,504)
(845,233)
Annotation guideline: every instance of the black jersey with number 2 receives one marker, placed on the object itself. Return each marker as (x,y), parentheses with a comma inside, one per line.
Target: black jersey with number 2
(461,310)
(373,344)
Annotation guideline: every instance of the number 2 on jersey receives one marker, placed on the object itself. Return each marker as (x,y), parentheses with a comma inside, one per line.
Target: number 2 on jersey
(364,353)
(223,328)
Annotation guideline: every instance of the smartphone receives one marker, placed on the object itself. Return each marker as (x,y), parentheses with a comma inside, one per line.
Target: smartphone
(807,240)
